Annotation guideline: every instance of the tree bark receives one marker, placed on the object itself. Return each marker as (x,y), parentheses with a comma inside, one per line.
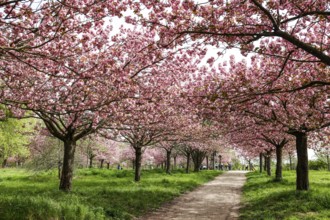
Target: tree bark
(91,161)
(269,171)
(138,162)
(197,157)
(265,165)
(220,167)
(302,181)
(188,162)
(207,162)
(260,162)
(108,165)
(174,158)
(278,172)
(133,164)
(213,160)
(102,161)
(68,163)
(168,161)
(328,160)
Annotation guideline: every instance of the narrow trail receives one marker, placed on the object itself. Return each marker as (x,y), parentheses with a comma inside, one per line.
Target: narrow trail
(218,199)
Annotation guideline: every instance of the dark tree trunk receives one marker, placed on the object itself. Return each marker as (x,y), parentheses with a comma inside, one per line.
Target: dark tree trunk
(265,165)
(260,162)
(174,158)
(133,164)
(302,181)
(213,160)
(220,162)
(4,162)
(197,157)
(68,162)
(188,162)
(168,161)
(269,171)
(91,161)
(138,161)
(278,172)
(102,161)
(207,162)
(328,160)
(108,165)
(196,167)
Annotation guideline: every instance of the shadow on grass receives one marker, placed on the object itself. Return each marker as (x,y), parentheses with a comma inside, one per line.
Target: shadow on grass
(268,199)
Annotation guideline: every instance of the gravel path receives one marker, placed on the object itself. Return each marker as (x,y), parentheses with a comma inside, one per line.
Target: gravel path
(218,199)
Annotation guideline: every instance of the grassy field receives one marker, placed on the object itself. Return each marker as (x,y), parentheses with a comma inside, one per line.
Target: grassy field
(266,199)
(96,194)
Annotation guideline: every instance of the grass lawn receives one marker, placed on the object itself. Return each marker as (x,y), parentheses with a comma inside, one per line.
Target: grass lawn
(96,194)
(266,199)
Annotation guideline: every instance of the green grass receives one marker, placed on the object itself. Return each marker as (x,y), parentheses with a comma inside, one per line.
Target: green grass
(264,198)
(96,194)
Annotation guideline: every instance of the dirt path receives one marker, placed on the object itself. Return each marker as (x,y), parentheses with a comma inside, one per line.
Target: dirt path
(218,199)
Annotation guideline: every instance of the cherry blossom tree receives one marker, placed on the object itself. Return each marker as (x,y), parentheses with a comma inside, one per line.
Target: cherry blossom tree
(168,146)
(244,90)
(76,98)
(280,29)
(49,30)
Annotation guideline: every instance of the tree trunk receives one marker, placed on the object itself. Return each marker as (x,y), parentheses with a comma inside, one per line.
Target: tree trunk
(102,161)
(138,161)
(188,162)
(197,157)
(213,160)
(91,161)
(260,162)
(108,165)
(174,158)
(207,162)
(265,165)
(196,167)
(278,172)
(328,160)
(220,167)
(302,181)
(269,172)
(68,162)
(133,164)
(168,161)
(4,162)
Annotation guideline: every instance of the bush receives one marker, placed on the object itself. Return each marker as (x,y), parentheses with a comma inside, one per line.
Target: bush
(317,165)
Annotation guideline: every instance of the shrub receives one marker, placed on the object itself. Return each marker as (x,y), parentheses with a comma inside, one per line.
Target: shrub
(317,165)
